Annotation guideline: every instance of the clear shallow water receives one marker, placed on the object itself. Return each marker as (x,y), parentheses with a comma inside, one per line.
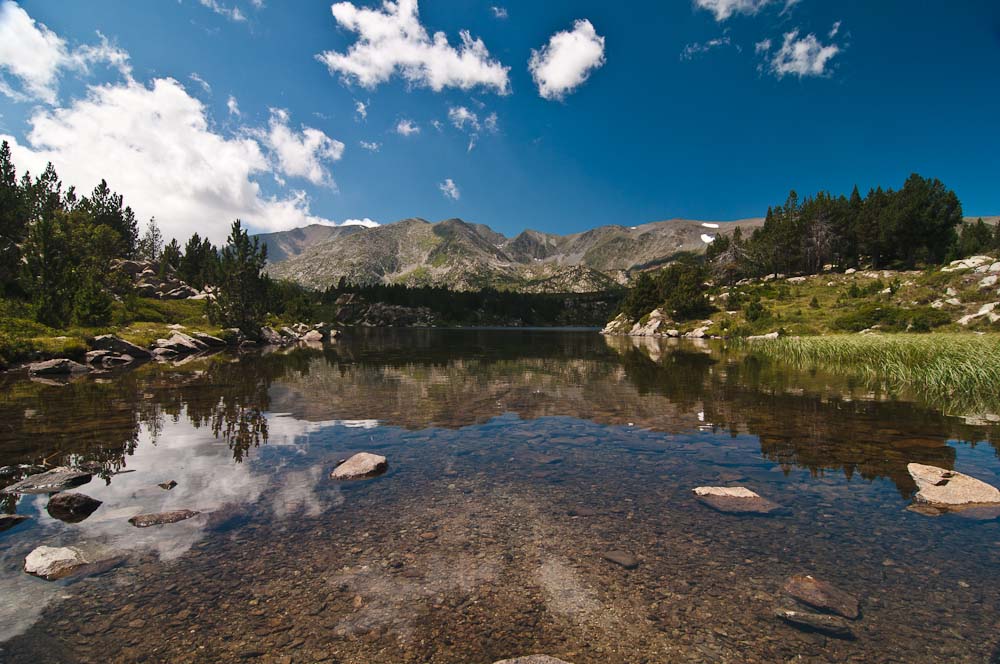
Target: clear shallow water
(516,459)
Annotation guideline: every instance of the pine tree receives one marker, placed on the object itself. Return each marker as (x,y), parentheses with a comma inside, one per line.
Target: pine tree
(13,220)
(242,295)
(150,247)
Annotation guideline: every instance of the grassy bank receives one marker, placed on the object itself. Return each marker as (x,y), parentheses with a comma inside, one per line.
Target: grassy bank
(958,373)
(23,339)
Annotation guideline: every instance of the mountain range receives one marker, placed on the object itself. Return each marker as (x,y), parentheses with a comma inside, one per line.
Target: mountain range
(468,256)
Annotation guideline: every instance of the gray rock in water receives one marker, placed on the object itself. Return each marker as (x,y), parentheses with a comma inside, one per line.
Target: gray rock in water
(532,659)
(95,356)
(8,521)
(209,340)
(112,343)
(182,344)
(53,563)
(817,622)
(59,367)
(71,507)
(270,337)
(147,520)
(822,595)
(735,500)
(360,466)
(51,481)
(312,336)
(939,486)
(623,558)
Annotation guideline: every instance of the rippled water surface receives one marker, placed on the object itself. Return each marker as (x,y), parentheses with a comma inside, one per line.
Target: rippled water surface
(516,459)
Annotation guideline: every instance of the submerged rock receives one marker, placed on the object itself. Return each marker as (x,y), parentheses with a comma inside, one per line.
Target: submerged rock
(360,466)
(623,558)
(938,486)
(51,481)
(8,521)
(822,595)
(817,622)
(735,500)
(59,367)
(167,486)
(71,507)
(532,659)
(52,563)
(160,518)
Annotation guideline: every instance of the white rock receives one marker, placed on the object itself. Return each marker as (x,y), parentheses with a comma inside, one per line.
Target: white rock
(948,487)
(53,562)
(795,280)
(725,491)
(360,465)
(850,270)
(986,282)
(312,335)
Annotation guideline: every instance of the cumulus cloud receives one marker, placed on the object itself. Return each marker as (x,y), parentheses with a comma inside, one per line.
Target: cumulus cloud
(407,128)
(567,60)
(461,117)
(491,123)
(691,51)
(392,41)
(360,111)
(371,146)
(366,222)
(499,12)
(35,56)
(155,145)
(233,106)
(762,46)
(724,9)
(802,57)
(450,189)
(302,154)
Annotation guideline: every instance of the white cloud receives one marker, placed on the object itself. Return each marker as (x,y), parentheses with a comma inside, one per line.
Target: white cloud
(156,146)
(450,189)
(437,124)
(300,154)
(35,56)
(371,146)
(724,9)
(234,108)
(491,123)
(232,13)
(499,12)
(202,82)
(460,116)
(361,110)
(692,50)
(366,222)
(762,46)
(834,30)
(391,41)
(802,57)
(567,60)
(407,128)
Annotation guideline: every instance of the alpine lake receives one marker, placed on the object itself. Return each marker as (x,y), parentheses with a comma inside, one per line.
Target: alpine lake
(538,499)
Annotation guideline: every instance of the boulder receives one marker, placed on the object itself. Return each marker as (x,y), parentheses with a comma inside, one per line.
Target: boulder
(112,343)
(167,486)
(51,481)
(182,343)
(360,466)
(209,340)
(95,356)
(532,659)
(817,622)
(147,520)
(53,563)
(735,500)
(655,325)
(619,325)
(71,507)
(59,367)
(116,360)
(164,353)
(697,333)
(8,521)
(822,595)
(270,337)
(145,289)
(313,336)
(938,486)
(769,335)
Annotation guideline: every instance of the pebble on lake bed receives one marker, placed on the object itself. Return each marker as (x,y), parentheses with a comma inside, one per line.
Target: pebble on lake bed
(532,659)
(822,595)
(360,466)
(623,558)
(817,622)
(734,500)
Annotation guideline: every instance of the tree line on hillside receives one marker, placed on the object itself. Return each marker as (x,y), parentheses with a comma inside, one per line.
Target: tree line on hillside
(58,250)
(915,226)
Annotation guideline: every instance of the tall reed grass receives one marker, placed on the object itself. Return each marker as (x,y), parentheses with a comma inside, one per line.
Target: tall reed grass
(956,373)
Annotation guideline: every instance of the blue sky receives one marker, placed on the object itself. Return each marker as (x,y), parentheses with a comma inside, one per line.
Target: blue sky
(202,110)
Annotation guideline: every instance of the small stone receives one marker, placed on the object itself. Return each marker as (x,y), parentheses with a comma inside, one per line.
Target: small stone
(167,486)
(428,536)
(147,520)
(71,507)
(822,595)
(532,659)
(623,558)
(359,466)
(817,622)
(51,481)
